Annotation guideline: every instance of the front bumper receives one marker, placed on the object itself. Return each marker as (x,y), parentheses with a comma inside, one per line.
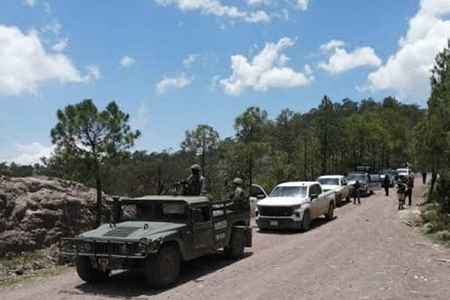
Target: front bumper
(274,223)
(103,249)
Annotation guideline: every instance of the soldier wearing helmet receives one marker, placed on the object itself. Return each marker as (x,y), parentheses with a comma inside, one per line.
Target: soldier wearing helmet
(238,195)
(194,184)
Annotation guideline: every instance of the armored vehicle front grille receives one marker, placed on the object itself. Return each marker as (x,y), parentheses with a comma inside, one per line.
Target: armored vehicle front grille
(121,231)
(275,211)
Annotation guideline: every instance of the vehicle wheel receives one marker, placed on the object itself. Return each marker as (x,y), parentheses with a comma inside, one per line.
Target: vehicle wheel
(330,214)
(237,244)
(306,223)
(87,272)
(163,268)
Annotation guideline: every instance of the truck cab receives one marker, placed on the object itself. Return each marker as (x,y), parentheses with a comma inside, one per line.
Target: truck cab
(154,234)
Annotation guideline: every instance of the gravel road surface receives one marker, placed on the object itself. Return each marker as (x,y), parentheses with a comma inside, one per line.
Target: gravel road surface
(364,253)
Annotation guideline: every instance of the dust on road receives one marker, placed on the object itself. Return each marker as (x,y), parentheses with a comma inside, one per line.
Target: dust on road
(364,253)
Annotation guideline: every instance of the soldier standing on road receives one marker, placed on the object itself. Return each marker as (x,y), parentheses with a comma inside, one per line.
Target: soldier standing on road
(356,192)
(424,177)
(410,185)
(194,183)
(386,184)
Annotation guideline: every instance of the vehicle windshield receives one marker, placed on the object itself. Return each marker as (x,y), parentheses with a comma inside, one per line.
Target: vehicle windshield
(354,177)
(156,211)
(329,181)
(288,191)
(386,172)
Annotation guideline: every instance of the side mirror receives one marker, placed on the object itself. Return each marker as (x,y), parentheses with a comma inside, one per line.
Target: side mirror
(197,215)
(344,183)
(314,196)
(260,196)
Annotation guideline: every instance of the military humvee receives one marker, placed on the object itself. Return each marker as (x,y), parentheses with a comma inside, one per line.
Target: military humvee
(153,234)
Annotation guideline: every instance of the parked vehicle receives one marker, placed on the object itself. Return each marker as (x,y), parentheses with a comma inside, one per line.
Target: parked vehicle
(256,194)
(160,231)
(292,205)
(391,174)
(406,172)
(338,184)
(364,180)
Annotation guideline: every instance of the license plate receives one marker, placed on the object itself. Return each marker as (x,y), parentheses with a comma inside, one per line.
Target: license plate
(273,223)
(104,262)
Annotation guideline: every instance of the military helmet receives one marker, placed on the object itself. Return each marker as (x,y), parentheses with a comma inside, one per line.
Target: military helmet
(196,167)
(238,181)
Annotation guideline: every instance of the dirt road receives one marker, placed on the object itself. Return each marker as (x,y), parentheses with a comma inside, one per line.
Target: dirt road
(364,253)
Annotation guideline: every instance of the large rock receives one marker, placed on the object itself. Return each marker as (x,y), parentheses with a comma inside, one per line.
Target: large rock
(36,211)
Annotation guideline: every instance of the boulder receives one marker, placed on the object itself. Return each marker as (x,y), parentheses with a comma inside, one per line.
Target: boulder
(35,212)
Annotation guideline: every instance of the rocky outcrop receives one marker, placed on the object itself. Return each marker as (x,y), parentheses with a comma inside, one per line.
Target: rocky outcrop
(36,211)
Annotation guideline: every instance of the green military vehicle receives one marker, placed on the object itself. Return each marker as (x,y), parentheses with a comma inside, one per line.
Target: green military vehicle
(153,234)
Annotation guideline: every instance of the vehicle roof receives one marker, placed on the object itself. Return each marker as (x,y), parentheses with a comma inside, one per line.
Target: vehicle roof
(331,176)
(298,183)
(188,199)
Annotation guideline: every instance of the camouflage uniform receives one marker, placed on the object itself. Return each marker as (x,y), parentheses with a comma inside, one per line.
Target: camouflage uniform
(238,195)
(194,183)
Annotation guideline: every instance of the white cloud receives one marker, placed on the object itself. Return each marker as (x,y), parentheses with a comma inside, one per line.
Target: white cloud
(61,45)
(216,8)
(266,70)
(408,70)
(93,72)
(54,27)
(47,8)
(302,4)
(28,154)
(140,120)
(257,2)
(187,62)
(127,61)
(332,45)
(30,3)
(341,60)
(170,83)
(25,64)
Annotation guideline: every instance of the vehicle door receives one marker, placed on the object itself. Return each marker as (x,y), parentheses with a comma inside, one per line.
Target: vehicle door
(314,196)
(203,230)
(323,199)
(257,193)
(375,182)
(344,187)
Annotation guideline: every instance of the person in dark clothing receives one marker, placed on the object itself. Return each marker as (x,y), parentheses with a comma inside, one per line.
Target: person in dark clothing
(424,177)
(386,183)
(401,192)
(356,192)
(410,185)
(193,186)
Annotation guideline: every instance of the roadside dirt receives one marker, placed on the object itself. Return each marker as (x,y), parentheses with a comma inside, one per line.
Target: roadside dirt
(364,253)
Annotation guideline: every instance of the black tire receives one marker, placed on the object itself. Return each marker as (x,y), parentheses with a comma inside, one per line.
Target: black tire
(163,268)
(88,273)
(330,213)
(235,248)
(306,222)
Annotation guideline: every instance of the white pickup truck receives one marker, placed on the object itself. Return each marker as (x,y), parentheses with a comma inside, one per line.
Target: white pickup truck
(292,205)
(338,184)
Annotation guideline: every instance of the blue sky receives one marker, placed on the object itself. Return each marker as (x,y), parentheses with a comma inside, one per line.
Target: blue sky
(174,64)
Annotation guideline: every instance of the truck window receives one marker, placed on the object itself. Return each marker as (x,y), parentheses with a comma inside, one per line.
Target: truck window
(318,189)
(256,190)
(201,214)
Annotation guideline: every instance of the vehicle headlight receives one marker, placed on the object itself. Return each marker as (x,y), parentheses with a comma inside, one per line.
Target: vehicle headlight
(123,249)
(87,247)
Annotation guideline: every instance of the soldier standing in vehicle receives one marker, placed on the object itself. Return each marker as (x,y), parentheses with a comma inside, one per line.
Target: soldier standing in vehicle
(356,192)
(238,195)
(194,184)
(386,183)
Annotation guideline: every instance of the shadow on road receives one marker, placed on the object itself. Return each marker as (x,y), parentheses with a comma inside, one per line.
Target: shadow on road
(314,224)
(129,284)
